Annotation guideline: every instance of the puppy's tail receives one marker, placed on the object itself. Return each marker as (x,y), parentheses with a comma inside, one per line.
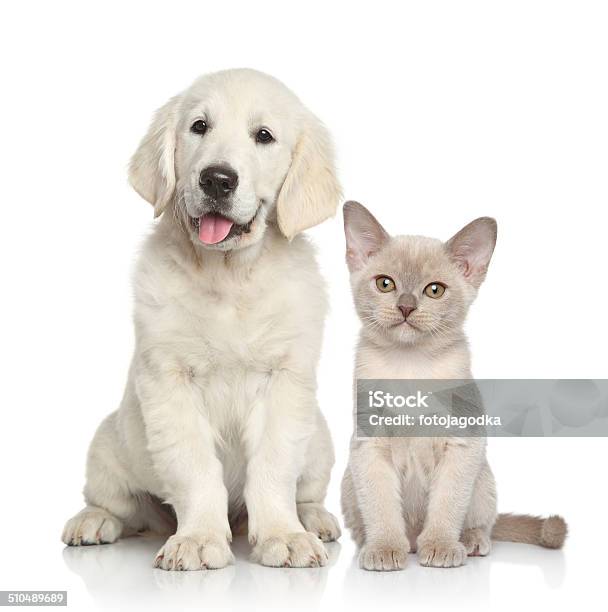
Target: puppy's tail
(548,532)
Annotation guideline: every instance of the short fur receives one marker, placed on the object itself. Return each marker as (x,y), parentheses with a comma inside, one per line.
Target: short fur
(219,417)
(436,496)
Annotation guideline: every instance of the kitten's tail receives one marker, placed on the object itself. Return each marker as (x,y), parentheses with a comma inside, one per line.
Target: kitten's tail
(548,532)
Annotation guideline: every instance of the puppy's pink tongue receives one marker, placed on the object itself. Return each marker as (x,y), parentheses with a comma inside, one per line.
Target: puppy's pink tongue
(213,228)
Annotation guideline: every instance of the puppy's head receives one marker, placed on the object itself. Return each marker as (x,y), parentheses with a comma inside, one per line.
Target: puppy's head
(234,152)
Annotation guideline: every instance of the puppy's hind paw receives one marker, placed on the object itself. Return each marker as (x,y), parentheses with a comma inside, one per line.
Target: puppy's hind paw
(316,519)
(92,526)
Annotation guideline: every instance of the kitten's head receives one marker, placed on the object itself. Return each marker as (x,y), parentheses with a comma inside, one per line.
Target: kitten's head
(411,288)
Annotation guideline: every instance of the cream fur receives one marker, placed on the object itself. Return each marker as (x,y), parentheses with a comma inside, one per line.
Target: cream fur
(436,496)
(219,417)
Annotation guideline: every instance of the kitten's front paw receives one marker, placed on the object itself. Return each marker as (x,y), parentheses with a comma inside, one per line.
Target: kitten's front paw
(441,553)
(383,558)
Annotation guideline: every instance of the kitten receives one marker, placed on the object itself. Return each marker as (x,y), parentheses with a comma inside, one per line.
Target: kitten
(435,496)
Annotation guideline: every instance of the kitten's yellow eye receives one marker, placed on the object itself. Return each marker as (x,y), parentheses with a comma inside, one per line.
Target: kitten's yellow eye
(435,290)
(385,284)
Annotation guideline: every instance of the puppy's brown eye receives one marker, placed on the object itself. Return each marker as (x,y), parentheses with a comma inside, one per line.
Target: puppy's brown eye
(435,290)
(264,136)
(385,284)
(199,127)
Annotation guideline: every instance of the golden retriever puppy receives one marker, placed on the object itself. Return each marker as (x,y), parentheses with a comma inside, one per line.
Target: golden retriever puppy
(219,418)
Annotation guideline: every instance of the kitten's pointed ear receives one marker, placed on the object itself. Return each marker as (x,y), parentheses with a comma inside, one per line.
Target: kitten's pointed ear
(364,235)
(472,247)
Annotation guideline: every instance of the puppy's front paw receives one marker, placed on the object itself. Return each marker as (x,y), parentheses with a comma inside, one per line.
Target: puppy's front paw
(319,521)
(291,550)
(182,553)
(441,553)
(383,558)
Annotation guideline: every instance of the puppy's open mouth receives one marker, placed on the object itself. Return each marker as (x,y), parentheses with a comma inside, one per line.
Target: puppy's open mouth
(213,228)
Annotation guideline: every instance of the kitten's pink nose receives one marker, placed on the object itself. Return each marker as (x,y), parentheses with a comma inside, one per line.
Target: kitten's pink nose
(406,310)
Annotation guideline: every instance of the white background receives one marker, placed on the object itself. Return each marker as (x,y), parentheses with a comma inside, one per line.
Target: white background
(441,112)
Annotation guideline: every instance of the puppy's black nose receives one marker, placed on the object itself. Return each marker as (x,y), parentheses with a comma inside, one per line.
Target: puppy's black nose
(218,181)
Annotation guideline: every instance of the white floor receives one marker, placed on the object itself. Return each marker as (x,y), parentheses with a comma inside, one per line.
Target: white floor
(542,476)
(538,476)
(120,576)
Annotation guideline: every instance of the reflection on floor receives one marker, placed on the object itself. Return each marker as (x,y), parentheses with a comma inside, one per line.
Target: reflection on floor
(121,574)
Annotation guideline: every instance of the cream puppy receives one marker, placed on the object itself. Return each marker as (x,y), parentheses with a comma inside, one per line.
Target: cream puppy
(219,418)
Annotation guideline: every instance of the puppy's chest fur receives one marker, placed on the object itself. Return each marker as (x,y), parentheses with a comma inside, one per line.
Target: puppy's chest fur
(230,323)
(229,328)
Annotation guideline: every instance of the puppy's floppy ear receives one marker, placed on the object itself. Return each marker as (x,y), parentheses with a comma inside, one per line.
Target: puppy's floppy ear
(364,235)
(152,167)
(472,247)
(311,191)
